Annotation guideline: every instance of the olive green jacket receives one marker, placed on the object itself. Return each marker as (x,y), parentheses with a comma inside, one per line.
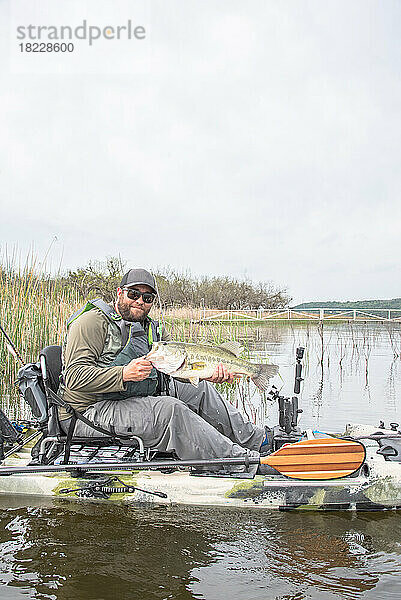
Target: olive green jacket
(91,343)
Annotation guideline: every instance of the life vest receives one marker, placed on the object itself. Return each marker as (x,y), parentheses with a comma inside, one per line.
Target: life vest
(124,341)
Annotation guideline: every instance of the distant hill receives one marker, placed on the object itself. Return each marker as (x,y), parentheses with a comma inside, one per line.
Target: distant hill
(394,303)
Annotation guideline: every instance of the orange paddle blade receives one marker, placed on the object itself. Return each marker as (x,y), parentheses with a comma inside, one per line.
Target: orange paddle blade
(326,458)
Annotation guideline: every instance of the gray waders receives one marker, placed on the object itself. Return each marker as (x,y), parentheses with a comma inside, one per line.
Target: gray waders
(198,423)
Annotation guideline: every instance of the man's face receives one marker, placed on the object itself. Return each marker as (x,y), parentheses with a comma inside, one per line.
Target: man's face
(133,310)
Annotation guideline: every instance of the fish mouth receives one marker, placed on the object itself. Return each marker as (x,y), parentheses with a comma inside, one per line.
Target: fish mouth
(164,362)
(152,351)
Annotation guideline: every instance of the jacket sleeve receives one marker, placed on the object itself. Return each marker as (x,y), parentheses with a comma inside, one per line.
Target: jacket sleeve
(85,342)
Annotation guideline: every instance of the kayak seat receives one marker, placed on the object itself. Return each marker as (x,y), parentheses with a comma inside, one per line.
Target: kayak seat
(56,440)
(52,355)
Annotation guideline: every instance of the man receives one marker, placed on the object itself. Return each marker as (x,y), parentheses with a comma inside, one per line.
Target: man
(116,391)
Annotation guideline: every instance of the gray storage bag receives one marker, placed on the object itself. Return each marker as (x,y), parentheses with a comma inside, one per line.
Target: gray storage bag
(32,391)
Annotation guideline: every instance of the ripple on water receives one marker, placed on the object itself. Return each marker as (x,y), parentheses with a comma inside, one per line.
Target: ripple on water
(98,552)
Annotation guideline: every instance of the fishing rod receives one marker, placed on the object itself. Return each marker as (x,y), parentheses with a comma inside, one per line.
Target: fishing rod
(11,346)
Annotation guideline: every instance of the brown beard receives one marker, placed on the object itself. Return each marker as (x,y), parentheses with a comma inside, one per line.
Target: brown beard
(124,308)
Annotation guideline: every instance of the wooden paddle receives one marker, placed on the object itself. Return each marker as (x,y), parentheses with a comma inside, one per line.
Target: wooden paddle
(325,458)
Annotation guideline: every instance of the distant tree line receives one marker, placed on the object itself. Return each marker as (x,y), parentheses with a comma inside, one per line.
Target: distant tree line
(180,289)
(394,303)
(97,279)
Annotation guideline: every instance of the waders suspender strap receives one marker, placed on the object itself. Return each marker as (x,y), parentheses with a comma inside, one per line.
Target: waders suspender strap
(105,308)
(114,317)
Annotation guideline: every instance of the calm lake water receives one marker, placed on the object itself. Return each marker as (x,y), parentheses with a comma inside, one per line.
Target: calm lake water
(60,550)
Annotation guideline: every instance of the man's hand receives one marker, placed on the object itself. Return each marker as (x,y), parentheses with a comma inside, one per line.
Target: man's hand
(222,375)
(137,370)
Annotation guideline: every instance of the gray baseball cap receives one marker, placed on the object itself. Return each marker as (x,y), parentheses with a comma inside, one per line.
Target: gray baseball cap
(138,277)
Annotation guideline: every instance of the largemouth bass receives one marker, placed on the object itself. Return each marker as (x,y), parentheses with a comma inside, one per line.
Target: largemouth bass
(199,361)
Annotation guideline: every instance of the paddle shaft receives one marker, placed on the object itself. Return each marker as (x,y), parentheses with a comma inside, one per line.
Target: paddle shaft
(131,466)
(309,459)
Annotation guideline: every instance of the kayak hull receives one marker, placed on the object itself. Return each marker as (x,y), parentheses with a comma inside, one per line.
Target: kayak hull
(262,492)
(377,486)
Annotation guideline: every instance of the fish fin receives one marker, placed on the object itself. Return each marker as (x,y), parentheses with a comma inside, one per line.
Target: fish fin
(233,347)
(263,374)
(197,366)
(194,381)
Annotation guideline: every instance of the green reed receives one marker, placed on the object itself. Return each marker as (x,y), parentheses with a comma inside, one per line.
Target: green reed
(33,310)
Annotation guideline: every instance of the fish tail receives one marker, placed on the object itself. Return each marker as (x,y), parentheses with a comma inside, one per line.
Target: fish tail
(263,374)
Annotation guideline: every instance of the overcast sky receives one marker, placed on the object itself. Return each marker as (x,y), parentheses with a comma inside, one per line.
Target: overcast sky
(257,139)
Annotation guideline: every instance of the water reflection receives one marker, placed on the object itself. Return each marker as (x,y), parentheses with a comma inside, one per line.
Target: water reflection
(97,552)
(101,552)
(296,556)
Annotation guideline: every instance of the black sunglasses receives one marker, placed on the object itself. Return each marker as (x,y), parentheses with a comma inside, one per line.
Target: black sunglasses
(147,297)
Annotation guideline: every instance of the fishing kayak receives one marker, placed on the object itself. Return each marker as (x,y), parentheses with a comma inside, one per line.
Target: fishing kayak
(376,485)
(359,469)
